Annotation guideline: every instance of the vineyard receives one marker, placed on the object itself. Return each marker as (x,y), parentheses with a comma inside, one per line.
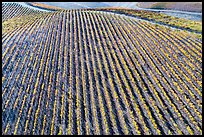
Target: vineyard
(11,10)
(88,72)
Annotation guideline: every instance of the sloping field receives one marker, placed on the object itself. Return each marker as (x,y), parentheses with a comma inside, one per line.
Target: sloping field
(159,18)
(11,10)
(87,72)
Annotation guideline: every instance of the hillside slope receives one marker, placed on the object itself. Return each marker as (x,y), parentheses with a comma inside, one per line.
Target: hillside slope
(79,5)
(44,6)
(182,6)
(89,72)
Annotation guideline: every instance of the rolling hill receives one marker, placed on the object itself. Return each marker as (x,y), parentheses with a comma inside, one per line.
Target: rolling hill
(96,73)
